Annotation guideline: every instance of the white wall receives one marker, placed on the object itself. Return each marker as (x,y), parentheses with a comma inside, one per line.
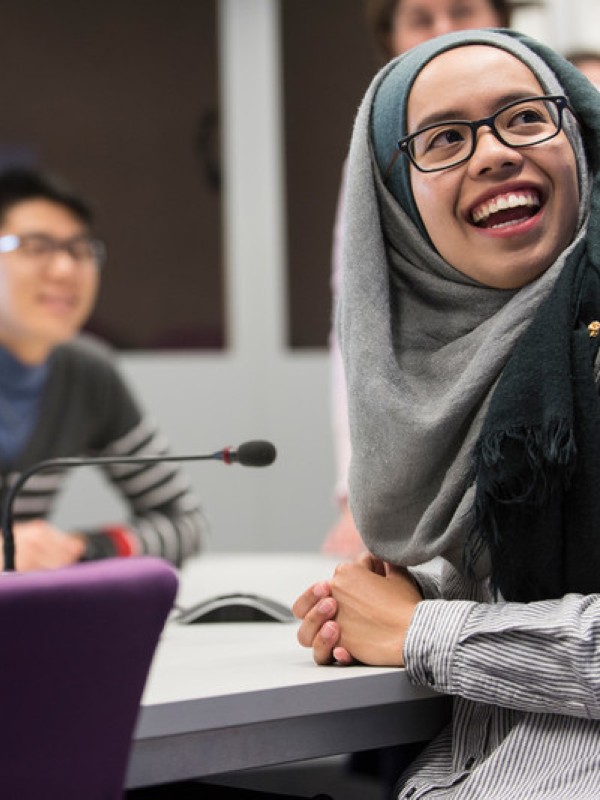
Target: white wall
(563,24)
(258,389)
(574,24)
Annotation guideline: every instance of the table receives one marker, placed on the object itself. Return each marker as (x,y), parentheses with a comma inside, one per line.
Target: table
(232,696)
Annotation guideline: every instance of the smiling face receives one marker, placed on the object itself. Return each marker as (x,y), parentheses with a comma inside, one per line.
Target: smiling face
(504,216)
(43,303)
(416,21)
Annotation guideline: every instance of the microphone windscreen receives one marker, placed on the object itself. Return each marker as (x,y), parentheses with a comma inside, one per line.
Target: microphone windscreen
(256,454)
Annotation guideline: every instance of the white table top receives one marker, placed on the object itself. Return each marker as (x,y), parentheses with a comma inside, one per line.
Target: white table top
(228,696)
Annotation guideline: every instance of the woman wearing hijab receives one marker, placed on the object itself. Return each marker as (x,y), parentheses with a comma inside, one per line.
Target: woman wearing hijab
(396,26)
(469,321)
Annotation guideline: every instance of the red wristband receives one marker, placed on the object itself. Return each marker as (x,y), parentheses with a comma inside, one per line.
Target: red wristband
(122,540)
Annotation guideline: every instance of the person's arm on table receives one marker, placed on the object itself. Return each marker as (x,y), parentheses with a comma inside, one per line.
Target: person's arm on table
(541,657)
(165,516)
(40,545)
(166,519)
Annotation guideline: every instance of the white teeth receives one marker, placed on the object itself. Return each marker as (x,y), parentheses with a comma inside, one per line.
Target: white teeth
(507,224)
(503,202)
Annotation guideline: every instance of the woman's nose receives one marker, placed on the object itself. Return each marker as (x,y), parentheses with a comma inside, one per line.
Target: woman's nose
(491,154)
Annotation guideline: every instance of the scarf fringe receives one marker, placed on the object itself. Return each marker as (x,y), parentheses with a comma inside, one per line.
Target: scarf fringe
(547,455)
(547,451)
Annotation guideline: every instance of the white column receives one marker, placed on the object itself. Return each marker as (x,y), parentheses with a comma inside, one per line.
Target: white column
(252,158)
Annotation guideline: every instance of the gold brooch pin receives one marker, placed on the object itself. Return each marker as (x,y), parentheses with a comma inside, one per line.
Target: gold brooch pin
(594,329)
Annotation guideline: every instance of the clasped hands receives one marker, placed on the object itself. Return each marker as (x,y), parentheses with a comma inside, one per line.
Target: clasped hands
(361,614)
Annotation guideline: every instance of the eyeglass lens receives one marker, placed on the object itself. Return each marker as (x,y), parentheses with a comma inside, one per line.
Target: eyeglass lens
(518,125)
(82,249)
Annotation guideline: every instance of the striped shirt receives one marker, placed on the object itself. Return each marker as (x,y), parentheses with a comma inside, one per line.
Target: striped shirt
(87,410)
(526,685)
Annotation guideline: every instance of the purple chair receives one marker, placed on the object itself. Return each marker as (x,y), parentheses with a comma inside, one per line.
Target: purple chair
(77,644)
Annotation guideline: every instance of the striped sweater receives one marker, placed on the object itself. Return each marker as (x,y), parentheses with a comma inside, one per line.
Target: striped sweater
(86,409)
(526,681)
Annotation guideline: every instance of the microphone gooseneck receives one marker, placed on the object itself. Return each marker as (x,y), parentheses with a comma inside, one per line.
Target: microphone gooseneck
(256,453)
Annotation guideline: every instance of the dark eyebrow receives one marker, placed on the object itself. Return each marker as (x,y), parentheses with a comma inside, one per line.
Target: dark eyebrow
(450,114)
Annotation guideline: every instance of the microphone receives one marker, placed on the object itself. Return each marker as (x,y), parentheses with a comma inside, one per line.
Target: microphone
(251,454)
(255,453)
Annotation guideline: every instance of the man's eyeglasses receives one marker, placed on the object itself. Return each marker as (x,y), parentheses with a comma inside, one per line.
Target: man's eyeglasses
(40,248)
(443,145)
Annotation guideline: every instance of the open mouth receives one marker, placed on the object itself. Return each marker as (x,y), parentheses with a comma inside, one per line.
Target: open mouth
(58,302)
(507,209)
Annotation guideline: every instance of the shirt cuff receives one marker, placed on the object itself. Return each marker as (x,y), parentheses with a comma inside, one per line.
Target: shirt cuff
(98,546)
(432,639)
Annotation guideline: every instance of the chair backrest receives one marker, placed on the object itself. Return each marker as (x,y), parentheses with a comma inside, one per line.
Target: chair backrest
(75,651)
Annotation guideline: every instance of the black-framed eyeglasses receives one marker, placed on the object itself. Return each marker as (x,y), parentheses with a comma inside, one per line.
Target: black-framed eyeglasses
(40,248)
(442,145)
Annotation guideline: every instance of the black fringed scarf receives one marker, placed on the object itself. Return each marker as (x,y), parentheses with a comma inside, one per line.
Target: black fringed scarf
(537,460)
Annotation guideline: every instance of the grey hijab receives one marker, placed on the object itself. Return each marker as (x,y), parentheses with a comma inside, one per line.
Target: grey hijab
(423,345)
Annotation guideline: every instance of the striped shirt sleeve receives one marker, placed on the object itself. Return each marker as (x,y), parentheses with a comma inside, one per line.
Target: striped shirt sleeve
(539,657)
(166,519)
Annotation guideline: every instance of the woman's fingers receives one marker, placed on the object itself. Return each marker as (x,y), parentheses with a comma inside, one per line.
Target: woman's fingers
(314,620)
(309,598)
(342,656)
(325,641)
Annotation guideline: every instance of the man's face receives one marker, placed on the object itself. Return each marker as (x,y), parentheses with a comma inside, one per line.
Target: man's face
(44,298)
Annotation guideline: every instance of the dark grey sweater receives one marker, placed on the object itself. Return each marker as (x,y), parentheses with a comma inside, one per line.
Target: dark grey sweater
(87,409)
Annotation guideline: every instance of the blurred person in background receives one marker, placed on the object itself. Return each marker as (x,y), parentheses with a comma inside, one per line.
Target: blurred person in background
(62,395)
(588,61)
